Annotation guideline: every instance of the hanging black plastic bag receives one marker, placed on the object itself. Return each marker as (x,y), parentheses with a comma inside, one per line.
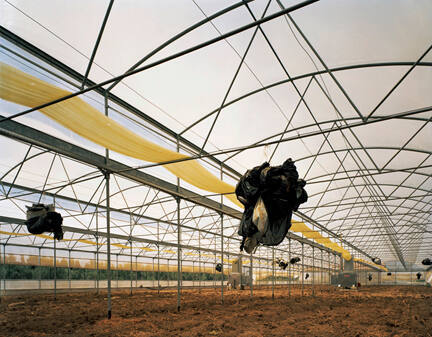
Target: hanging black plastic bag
(277,190)
(43,218)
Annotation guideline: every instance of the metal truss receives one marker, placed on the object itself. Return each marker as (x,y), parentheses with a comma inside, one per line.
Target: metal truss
(150,217)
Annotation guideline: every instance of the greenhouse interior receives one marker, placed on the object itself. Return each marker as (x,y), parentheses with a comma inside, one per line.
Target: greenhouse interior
(215,168)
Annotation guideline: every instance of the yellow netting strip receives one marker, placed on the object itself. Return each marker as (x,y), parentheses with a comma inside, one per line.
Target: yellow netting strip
(371,264)
(83,119)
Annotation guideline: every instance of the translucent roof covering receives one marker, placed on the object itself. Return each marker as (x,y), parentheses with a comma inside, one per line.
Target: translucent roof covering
(342,87)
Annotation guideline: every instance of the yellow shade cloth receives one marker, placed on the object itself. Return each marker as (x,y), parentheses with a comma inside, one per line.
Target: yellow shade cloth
(302,228)
(372,264)
(83,119)
(88,122)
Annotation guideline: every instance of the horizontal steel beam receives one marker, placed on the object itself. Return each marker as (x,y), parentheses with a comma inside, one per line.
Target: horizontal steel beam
(30,135)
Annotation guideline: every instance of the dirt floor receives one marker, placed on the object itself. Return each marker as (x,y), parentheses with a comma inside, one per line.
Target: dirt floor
(368,311)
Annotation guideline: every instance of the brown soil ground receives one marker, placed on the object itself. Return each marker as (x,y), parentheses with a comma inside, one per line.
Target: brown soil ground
(368,311)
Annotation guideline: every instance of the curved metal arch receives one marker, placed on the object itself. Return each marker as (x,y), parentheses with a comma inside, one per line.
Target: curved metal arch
(360,206)
(22,162)
(360,185)
(377,172)
(371,201)
(330,121)
(366,148)
(179,35)
(299,77)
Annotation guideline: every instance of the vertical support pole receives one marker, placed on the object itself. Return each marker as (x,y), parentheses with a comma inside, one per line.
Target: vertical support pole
(117,272)
(5,270)
(193,274)
(321,273)
(1,274)
(199,262)
(40,269)
(158,259)
(153,278)
(97,264)
(97,251)
(289,267)
(55,270)
(313,271)
(130,269)
(251,275)
(136,271)
(107,188)
(222,256)
(335,265)
(259,273)
(95,279)
(222,242)
(179,273)
(273,272)
(329,267)
(302,260)
(69,273)
(228,259)
(215,261)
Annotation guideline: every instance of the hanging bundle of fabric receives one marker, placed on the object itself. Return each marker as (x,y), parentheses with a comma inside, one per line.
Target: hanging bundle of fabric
(418,276)
(370,277)
(294,260)
(219,267)
(376,260)
(43,218)
(427,262)
(281,263)
(269,194)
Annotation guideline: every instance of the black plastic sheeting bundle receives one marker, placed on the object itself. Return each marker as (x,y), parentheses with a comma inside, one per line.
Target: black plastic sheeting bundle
(370,277)
(388,274)
(219,267)
(294,260)
(281,263)
(427,262)
(376,260)
(269,194)
(306,276)
(43,218)
(418,276)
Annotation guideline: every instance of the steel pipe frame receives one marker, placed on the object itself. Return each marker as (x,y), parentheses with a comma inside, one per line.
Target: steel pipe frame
(237,216)
(393,240)
(419,211)
(302,98)
(396,247)
(330,204)
(166,59)
(97,43)
(10,36)
(125,238)
(235,76)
